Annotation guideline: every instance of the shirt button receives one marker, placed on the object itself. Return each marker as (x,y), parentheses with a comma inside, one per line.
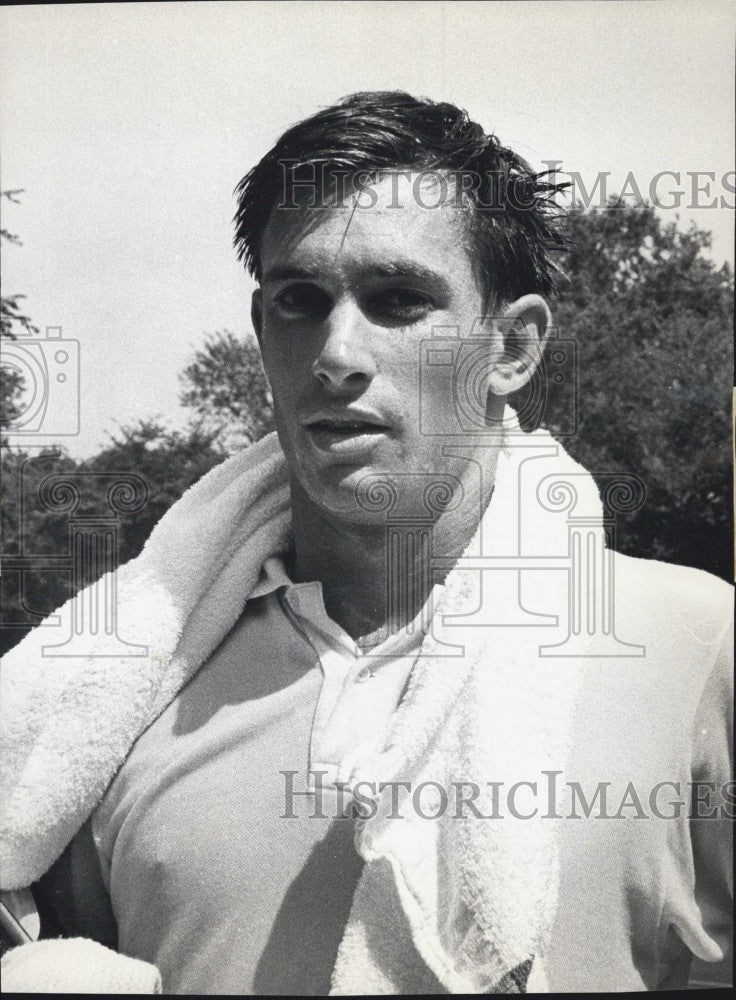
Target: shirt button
(364,675)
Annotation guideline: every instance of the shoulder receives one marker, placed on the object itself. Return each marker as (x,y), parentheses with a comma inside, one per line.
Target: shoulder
(680,598)
(683,617)
(678,623)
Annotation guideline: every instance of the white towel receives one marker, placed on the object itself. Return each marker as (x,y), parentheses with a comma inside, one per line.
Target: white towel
(479,897)
(75,965)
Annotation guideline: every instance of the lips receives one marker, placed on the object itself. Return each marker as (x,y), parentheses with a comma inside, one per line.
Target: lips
(348,436)
(348,422)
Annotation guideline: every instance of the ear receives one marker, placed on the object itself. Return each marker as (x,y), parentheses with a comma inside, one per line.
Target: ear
(523,330)
(256,314)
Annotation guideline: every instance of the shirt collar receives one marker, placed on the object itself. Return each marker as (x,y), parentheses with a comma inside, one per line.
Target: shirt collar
(306,601)
(273,575)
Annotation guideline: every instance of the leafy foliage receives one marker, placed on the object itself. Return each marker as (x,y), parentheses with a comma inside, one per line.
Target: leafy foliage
(226,387)
(652,318)
(11,313)
(12,318)
(36,534)
(11,395)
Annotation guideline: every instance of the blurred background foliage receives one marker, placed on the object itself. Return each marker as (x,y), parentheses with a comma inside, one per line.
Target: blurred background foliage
(652,318)
(653,321)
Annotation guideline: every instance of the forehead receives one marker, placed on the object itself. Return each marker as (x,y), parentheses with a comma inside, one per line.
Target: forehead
(412,216)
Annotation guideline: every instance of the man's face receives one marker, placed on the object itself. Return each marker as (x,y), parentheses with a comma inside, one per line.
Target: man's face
(345,307)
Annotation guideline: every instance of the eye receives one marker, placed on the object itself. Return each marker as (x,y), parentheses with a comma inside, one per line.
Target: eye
(303,301)
(404,304)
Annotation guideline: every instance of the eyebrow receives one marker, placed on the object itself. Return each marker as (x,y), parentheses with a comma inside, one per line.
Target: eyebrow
(286,272)
(406,269)
(388,269)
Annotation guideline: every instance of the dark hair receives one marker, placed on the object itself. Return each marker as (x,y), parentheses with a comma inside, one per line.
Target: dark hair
(513,218)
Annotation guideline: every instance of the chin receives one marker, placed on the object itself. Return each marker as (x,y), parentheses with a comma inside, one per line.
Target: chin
(355,494)
(375,495)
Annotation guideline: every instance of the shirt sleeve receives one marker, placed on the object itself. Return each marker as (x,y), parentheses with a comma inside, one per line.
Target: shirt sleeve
(712,811)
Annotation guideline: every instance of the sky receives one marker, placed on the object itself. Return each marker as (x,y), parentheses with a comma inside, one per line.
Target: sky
(128,126)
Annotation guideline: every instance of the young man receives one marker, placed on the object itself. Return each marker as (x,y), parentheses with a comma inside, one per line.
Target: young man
(401,723)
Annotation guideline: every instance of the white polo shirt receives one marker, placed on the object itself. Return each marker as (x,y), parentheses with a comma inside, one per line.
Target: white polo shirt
(360,687)
(229,879)
(226,866)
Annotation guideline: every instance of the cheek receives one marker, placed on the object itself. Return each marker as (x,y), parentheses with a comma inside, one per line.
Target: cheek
(283,388)
(284,362)
(412,381)
(294,353)
(399,361)
(273,350)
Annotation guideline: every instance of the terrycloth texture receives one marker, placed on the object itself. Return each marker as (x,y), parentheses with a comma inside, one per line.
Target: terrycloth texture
(75,965)
(67,724)
(480,897)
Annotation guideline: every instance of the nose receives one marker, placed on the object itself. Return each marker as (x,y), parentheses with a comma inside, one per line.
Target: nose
(346,361)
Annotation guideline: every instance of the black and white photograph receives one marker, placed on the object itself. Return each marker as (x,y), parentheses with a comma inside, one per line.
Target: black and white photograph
(366,605)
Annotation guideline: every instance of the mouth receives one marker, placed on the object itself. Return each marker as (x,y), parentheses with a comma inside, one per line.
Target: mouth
(347,427)
(347,435)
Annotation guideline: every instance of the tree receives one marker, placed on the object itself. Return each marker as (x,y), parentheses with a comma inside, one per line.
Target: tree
(226,387)
(11,394)
(11,314)
(37,555)
(36,529)
(12,318)
(169,462)
(35,539)
(652,318)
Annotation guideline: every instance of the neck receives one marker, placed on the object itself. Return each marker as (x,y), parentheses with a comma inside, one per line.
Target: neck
(375,578)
